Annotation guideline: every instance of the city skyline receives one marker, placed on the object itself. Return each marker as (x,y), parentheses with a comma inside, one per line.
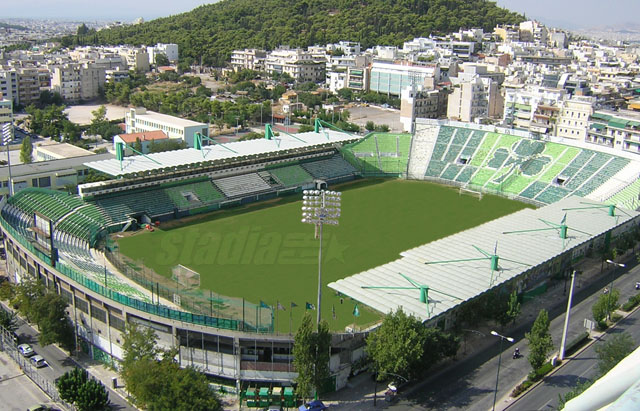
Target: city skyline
(569,14)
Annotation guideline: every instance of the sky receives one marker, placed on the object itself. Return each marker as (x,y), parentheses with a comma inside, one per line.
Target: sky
(574,14)
(570,14)
(91,10)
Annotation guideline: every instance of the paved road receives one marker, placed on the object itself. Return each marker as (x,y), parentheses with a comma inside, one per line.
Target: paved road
(470,384)
(581,368)
(59,362)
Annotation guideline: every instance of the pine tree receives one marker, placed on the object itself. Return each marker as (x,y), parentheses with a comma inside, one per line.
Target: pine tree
(26,151)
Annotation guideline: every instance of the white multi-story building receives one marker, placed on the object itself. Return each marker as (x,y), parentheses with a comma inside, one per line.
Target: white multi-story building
(532,108)
(299,64)
(65,79)
(574,117)
(474,97)
(248,59)
(75,81)
(9,83)
(169,50)
(349,48)
(28,85)
(6,113)
(615,129)
(139,120)
(419,102)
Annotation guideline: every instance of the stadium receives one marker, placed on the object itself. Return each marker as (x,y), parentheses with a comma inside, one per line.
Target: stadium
(205,245)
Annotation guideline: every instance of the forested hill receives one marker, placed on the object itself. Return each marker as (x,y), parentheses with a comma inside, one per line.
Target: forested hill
(213,31)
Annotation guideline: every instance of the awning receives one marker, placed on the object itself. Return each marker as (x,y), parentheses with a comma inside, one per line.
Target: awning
(597,126)
(617,123)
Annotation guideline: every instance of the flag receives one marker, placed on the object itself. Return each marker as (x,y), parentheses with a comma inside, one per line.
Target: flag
(356,311)
(293,304)
(263,304)
(280,306)
(310,306)
(333,311)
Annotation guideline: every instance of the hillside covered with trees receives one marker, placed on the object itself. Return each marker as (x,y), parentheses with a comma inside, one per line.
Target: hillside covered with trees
(212,31)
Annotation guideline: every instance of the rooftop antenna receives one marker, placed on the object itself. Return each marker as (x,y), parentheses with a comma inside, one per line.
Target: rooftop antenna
(424,291)
(493,258)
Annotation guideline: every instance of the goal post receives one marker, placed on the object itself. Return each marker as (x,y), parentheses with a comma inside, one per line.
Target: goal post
(468,191)
(186,277)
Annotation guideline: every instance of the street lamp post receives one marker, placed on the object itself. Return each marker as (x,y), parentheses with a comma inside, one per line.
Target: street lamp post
(566,318)
(502,337)
(611,287)
(320,207)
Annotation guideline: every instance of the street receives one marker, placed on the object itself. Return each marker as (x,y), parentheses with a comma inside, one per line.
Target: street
(470,384)
(582,367)
(58,362)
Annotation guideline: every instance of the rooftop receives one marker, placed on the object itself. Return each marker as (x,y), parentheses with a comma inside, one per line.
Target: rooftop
(233,150)
(50,166)
(144,136)
(452,283)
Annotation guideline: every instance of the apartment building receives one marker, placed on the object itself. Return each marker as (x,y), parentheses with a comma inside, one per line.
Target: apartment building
(169,50)
(76,81)
(28,85)
(299,64)
(65,79)
(533,108)
(140,120)
(421,102)
(6,112)
(573,119)
(9,83)
(248,59)
(615,129)
(474,97)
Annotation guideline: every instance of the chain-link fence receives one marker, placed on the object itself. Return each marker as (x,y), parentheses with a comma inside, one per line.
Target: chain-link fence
(9,345)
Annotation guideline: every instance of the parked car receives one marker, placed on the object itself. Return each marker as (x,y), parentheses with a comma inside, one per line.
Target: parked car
(38,361)
(40,407)
(316,405)
(26,350)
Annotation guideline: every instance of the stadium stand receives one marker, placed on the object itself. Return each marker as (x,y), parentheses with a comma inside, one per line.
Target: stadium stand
(191,195)
(329,169)
(380,154)
(291,175)
(507,164)
(241,185)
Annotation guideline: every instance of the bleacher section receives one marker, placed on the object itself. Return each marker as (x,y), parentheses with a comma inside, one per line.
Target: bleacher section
(52,204)
(291,175)
(329,169)
(380,154)
(119,206)
(506,164)
(193,195)
(241,185)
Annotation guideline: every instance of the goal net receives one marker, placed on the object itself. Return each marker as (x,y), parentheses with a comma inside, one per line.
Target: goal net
(186,277)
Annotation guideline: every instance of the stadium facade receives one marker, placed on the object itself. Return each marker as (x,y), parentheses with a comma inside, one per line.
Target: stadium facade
(586,198)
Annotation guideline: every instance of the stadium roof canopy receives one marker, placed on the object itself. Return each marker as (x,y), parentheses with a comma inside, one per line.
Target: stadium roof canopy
(237,149)
(465,280)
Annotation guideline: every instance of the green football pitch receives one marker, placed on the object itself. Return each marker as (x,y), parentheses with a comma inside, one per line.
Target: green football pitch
(263,252)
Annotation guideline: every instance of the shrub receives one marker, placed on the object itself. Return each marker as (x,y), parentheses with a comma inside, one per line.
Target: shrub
(540,372)
(602,325)
(520,388)
(615,317)
(577,343)
(631,303)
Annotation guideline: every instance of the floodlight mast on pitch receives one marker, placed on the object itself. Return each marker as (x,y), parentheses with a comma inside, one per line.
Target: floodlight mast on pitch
(320,207)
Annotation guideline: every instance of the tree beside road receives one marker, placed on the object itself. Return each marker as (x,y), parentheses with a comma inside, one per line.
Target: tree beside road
(540,342)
